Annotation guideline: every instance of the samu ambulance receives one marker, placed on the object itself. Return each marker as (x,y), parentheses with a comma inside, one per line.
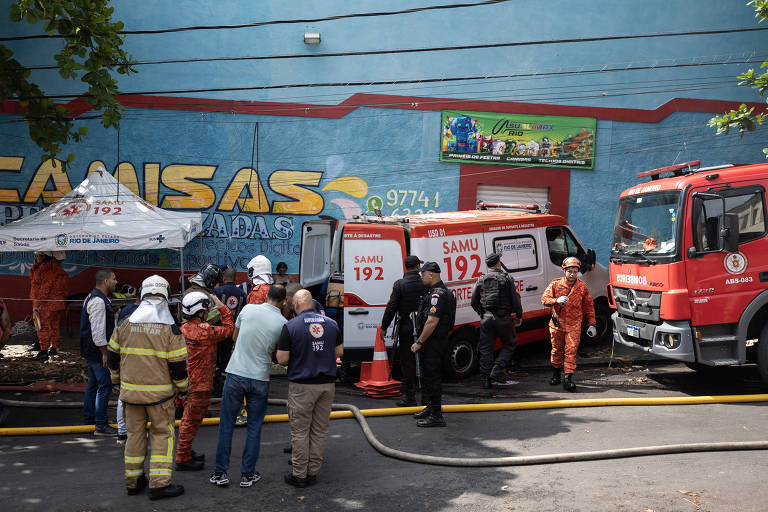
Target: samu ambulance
(365,255)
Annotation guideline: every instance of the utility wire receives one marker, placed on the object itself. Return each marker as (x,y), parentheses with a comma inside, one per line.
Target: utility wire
(279,22)
(435,48)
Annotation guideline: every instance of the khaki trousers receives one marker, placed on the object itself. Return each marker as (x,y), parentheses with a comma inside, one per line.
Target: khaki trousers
(161,431)
(309,407)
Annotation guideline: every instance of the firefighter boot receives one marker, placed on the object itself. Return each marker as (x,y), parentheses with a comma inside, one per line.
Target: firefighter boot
(435,419)
(555,380)
(568,384)
(424,413)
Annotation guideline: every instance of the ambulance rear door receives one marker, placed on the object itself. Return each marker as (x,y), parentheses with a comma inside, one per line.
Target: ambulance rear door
(373,260)
(521,250)
(315,258)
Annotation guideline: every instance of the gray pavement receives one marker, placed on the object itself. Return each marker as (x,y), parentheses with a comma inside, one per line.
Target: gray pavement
(80,472)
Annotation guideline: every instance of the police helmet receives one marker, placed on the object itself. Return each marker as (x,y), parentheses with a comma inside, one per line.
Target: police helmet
(208,277)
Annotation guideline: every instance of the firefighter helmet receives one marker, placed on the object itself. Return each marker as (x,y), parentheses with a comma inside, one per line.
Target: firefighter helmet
(208,277)
(155,286)
(260,266)
(571,262)
(194,302)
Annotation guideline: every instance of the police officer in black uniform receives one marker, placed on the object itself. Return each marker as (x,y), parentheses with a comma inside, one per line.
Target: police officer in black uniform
(404,300)
(436,314)
(495,299)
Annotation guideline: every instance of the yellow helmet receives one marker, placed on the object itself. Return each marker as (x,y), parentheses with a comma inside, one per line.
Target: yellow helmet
(571,262)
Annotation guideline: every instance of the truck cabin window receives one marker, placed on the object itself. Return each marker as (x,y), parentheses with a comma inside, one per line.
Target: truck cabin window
(561,245)
(647,224)
(746,202)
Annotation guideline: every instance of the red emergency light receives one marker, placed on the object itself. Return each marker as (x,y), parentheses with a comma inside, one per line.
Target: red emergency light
(677,170)
(532,207)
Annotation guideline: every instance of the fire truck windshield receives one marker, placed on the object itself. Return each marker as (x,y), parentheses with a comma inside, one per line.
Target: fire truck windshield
(646,225)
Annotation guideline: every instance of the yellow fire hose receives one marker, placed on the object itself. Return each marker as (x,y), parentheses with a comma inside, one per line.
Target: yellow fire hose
(350,411)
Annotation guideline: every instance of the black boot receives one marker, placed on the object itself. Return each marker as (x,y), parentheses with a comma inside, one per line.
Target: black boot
(555,380)
(425,412)
(408,400)
(568,384)
(169,491)
(487,384)
(435,419)
(41,356)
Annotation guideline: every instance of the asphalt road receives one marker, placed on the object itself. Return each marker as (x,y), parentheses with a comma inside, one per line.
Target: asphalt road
(81,472)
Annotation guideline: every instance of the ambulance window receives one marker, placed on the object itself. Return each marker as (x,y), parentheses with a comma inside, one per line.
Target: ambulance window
(517,252)
(746,202)
(561,245)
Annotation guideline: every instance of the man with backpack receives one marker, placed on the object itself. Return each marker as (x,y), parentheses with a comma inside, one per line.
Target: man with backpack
(435,319)
(495,299)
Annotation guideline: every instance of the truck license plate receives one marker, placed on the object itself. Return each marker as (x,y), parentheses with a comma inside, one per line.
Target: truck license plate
(633,331)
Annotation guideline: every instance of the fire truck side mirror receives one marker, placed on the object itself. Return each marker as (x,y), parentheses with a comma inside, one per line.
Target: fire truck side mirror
(588,261)
(729,232)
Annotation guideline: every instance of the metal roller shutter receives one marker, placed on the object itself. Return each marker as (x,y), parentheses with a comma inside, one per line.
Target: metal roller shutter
(512,194)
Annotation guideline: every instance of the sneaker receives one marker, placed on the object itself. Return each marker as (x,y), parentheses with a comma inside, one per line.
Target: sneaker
(190,465)
(52,351)
(141,483)
(41,356)
(248,479)
(242,418)
(106,431)
(169,491)
(295,481)
(219,478)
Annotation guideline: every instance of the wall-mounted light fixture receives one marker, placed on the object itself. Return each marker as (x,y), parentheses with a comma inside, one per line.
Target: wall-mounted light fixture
(311,37)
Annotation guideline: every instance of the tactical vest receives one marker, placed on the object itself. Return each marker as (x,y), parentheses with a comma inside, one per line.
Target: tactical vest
(87,348)
(496,296)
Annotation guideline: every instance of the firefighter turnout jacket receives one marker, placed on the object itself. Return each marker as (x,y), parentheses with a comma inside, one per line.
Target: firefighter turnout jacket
(570,315)
(149,361)
(201,339)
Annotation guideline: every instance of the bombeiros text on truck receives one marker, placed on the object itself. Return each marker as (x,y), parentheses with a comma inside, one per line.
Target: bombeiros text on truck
(689,265)
(352,264)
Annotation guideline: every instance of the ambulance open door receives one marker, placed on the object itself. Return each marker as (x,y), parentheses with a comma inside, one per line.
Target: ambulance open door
(373,260)
(315,258)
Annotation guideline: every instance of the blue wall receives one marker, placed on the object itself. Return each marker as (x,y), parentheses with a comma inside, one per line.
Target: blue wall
(385,150)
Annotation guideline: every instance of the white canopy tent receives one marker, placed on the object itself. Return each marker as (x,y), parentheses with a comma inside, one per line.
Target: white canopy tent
(101,214)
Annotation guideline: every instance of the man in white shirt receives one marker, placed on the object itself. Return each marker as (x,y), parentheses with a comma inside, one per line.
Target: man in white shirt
(257,329)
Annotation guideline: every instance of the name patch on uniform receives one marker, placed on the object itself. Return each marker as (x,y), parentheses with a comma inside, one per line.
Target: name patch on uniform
(434,300)
(314,320)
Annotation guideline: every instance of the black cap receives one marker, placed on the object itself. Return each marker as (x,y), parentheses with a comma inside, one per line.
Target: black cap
(431,266)
(492,259)
(412,261)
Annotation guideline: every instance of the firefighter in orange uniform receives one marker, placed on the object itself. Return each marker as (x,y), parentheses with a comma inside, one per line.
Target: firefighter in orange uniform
(260,272)
(570,302)
(49,289)
(201,338)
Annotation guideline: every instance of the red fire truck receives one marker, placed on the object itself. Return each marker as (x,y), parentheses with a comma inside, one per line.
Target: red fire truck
(689,265)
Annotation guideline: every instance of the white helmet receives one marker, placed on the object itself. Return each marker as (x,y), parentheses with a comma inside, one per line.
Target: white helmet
(194,302)
(260,267)
(155,286)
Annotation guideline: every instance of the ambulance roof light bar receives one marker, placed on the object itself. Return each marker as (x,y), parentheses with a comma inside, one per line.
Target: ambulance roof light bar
(530,207)
(677,170)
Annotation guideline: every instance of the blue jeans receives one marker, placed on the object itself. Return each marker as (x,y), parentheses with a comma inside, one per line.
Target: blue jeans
(255,393)
(97,394)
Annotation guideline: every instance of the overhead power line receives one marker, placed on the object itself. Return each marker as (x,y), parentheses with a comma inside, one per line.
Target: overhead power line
(281,22)
(432,48)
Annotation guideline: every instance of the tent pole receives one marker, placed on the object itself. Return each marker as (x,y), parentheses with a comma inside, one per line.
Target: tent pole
(181,267)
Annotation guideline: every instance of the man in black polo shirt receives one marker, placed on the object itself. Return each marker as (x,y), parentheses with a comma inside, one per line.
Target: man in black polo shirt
(309,345)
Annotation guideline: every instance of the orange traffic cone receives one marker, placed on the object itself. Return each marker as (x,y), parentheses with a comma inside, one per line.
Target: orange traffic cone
(374,378)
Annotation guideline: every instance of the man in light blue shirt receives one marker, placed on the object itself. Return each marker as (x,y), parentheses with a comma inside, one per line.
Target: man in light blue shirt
(257,330)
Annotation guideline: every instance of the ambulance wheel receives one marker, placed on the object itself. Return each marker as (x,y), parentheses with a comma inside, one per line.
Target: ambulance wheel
(461,358)
(762,353)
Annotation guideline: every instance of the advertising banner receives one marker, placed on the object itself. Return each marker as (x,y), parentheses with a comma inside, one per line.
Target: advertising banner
(517,139)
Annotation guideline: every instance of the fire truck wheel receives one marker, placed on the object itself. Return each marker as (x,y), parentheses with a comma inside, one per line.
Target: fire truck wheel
(762,353)
(461,359)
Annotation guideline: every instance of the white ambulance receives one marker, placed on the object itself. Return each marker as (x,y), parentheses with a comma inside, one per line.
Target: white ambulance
(351,265)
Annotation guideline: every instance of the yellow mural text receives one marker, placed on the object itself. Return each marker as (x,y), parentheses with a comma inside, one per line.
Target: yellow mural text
(180,177)
(245,178)
(288,183)
(49,170)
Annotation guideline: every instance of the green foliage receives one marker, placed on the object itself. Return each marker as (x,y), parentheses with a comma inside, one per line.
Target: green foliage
(91,51)
(745,119)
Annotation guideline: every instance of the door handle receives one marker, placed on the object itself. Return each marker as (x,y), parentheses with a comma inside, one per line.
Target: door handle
(531,288)
(359,312)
